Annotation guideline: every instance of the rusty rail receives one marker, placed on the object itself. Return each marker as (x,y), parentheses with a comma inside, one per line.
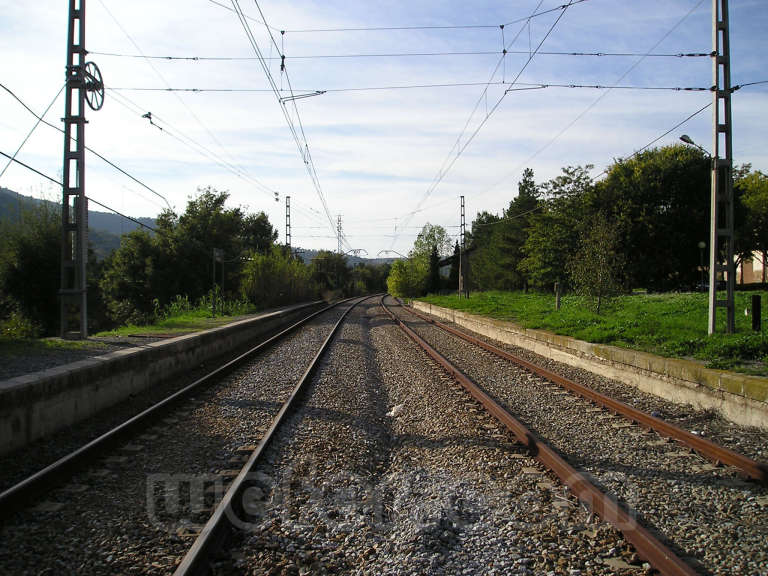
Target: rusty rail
(719,454)
(646,545)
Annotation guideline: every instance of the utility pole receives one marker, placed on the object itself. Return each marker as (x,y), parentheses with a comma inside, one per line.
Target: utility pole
(338,232)
(84,85)
(288,223)
(462,250)
(721,224)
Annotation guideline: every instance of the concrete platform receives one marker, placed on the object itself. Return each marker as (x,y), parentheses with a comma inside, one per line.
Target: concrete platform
(741,398)
(38,404)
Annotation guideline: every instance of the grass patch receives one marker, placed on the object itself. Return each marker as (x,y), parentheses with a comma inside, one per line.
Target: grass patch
(671,325)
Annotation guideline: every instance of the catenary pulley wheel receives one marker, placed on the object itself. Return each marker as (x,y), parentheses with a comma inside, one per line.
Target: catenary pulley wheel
(94,86)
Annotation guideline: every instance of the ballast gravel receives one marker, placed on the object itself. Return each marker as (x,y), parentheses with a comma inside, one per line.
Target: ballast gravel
(389,468)
(138,510)
(709,516)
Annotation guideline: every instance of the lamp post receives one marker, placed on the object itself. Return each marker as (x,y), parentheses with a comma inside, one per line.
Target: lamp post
(688,140)
(702,245)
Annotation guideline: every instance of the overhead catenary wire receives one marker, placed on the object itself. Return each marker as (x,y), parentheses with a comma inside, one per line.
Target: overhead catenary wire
(525,86)
(396,55)
(299,136)
(594,103)
(163,80)
(178,135)
(460,149)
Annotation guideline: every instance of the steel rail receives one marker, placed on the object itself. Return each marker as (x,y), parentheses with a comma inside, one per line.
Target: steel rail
(719,454)
(235,500)
(19,494)
(646,544)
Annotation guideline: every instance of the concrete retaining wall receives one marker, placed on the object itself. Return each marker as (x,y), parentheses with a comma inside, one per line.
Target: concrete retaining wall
(740,398)
(38,404)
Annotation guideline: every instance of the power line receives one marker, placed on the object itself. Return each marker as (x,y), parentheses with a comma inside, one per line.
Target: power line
(594,102)
(194,145)
(163,80)
(28,167)
(91,150)
(432,27)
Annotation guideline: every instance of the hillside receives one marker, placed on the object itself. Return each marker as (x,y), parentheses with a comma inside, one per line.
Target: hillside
(104,228)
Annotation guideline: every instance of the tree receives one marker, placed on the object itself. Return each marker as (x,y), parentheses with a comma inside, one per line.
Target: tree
(660,202)
(30,255)
(753,194)
(553,233)
(595,270)
(433,279)
(148,271)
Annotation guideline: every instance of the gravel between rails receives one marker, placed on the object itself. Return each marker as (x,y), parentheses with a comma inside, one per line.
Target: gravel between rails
(389,467)
(136,511)
(750,441)
(717,520)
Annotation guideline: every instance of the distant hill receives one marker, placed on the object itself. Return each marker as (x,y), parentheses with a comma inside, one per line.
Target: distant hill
(104,228)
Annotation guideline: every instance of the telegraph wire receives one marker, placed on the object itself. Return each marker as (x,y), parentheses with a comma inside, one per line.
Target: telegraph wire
(91,150)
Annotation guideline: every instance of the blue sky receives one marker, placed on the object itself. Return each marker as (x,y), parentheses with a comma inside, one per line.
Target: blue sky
(377,153)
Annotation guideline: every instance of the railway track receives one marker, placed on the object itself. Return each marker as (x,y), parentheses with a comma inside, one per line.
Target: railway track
(514,385)
(175,460)
(386,466)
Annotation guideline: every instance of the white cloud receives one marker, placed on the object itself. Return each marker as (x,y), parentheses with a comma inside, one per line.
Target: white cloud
(376,152)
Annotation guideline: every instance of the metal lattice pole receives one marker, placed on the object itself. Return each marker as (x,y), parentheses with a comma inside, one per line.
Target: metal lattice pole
(288,223)
(721,225)
(74,207)
(338,231)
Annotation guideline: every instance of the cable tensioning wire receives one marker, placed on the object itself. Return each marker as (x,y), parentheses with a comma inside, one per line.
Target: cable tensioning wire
(91,150)
(194,145)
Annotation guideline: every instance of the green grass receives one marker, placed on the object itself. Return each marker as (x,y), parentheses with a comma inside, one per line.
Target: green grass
(672,325)
(14,347)
(191,321)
